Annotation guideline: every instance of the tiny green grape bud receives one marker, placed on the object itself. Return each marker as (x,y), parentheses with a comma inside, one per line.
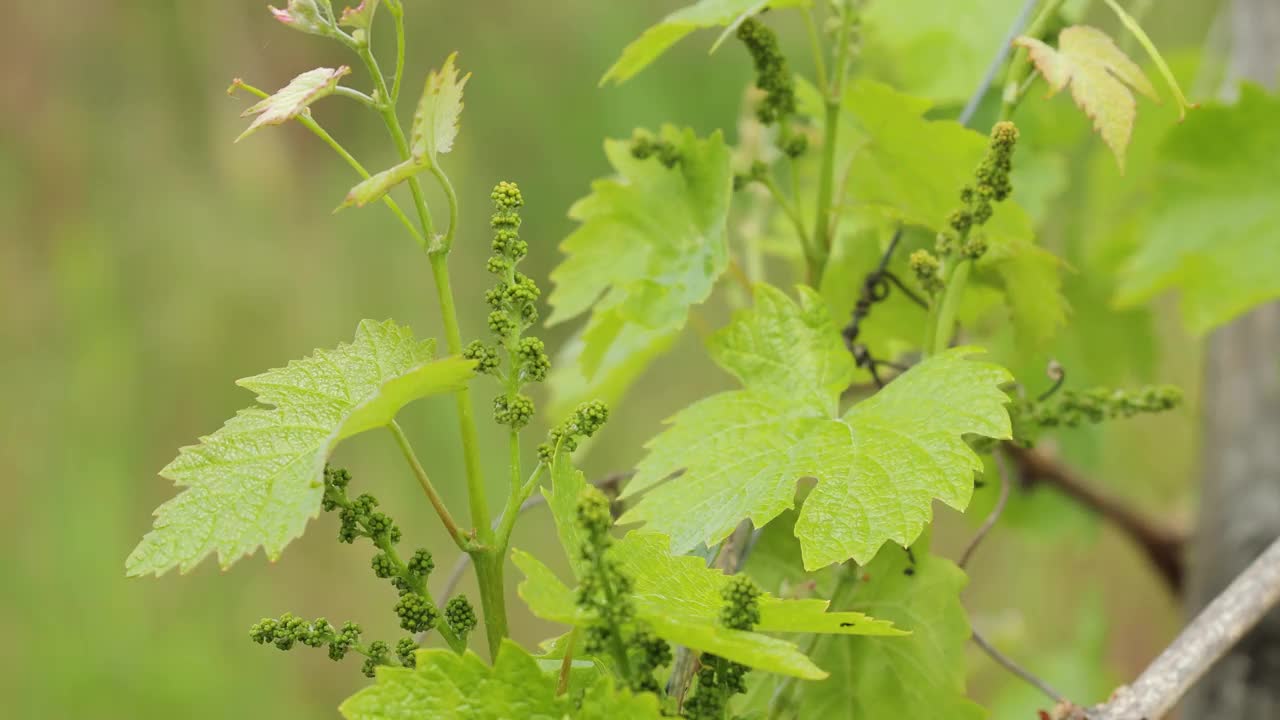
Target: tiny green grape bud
(416,613)
(422,563)
(460,616)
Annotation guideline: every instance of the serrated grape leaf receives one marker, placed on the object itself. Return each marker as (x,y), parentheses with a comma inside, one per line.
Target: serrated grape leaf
(292,99)
(679,596)
(655,41)
(683,585)
(879,466)
(1100,75)
(651,244)
(911,168)
(435,123)
(446,686)
(372,188)
(1214,233)
(259,479)
(360,16)
(921,676)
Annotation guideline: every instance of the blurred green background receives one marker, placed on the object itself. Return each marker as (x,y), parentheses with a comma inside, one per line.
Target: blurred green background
(146,262)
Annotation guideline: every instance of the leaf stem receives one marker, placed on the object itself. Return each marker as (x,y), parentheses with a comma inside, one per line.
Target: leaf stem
(788,207)
(356,95)
(815,45)
(463,542)
(310,123)
(821,245)
(397,12)
(940,337)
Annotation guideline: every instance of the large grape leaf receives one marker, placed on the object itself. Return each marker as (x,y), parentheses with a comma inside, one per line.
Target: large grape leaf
(259,479)
(1100,75)
(939,50)
(879,466)
(921,676)
(652,243)
(293,99)
(1215,232)
(704,14)
(679,596)
(446,686)
(911,168)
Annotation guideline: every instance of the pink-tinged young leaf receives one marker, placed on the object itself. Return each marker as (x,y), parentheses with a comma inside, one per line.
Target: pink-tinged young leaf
(302,15)
(1100,75)
(293,99)
(360,16)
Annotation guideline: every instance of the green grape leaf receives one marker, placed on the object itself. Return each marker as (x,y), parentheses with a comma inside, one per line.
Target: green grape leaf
(921,676)
(293,99)
(879,466)
(372,188)
(651,244)
(259,479)
(938,50)
(911,169)
(446,686)
(1031,280)
(360,16)
(1214,234)
(1100,75)
(435,123)
(679,596)
(674,27)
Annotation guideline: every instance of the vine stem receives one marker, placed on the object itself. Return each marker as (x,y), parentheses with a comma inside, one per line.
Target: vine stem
(446,519)
(990,522)
(1209,636)
(488,568)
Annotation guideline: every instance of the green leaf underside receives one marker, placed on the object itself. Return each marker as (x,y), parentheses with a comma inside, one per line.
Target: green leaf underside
(651,244)
(259,479)
(911,169)
(879,466)
(1214,233)
(293,99)
(372,188)
(1100,75)
(435,123)
(679,596)
(921,676)
(674,27)
(448,686)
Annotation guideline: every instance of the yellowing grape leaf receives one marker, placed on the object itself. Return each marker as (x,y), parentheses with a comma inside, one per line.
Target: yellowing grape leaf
(651,245)
(1100,75)
(879,465)
(259,479)
(292,99)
